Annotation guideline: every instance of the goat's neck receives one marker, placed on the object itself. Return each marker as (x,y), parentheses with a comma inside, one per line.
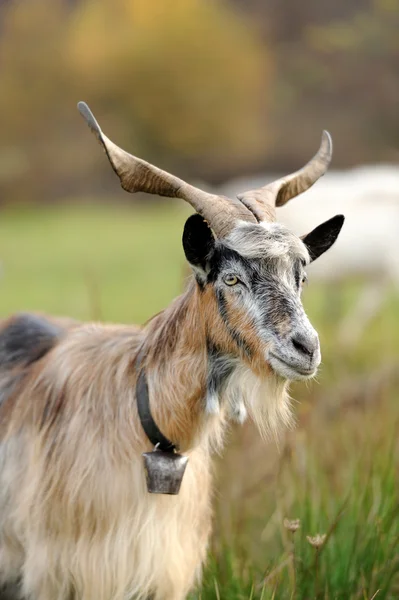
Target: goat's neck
(177,348)
(196,378)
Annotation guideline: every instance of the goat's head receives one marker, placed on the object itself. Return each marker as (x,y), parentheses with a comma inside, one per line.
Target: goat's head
(250,269)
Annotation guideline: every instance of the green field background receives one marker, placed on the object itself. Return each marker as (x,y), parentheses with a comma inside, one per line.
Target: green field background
(337,472)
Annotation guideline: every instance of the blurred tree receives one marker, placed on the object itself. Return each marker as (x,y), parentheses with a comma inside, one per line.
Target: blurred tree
(191,86)
(336,67)
(179,83)
(285,20)
(34,95)
(186,79)
(359,62)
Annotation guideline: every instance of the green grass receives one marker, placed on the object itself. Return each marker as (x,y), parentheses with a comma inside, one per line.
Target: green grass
(122,264)
(337,472)
(360,517)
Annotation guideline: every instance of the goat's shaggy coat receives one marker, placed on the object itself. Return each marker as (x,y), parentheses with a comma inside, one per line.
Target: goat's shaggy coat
(76,521)
(75,517)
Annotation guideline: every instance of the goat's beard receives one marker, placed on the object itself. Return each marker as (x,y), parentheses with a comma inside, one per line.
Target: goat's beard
(264,399)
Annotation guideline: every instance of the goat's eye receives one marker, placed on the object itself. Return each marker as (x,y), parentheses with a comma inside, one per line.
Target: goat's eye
(304,278)
(230,280)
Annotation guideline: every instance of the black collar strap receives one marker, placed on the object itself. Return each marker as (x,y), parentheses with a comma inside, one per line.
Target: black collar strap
(151,429)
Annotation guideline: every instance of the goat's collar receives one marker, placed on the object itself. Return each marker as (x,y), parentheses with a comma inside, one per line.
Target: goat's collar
(151,429)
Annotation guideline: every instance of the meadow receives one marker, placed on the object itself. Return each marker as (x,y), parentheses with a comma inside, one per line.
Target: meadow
(337,472)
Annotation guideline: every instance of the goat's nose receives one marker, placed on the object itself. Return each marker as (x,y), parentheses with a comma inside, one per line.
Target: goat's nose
(305,344)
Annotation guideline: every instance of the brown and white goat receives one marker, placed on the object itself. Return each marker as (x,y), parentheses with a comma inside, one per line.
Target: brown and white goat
(76,520)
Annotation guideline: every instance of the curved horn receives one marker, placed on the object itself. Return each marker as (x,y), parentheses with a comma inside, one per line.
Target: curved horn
(137,175)
(261,202)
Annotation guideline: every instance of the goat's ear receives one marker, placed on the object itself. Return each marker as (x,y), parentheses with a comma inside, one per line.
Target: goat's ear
(198,243)
(322,238)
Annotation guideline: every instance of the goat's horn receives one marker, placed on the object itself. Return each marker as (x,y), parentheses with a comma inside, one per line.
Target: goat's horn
(136,175)
(261,202)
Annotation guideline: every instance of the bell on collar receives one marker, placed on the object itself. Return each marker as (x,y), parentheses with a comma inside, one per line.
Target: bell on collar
(164,471)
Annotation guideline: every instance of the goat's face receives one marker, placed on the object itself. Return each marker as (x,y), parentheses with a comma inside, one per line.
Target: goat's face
(254,278)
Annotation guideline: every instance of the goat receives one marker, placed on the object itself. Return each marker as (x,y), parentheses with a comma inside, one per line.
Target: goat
(76,519)
(368,247)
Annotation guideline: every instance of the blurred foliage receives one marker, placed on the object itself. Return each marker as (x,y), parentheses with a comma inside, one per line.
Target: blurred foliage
(173,68)
(206,88)
(179,83)
(360,59)
(336,66)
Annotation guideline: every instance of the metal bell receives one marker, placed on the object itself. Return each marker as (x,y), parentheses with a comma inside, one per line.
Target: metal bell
(164,471)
